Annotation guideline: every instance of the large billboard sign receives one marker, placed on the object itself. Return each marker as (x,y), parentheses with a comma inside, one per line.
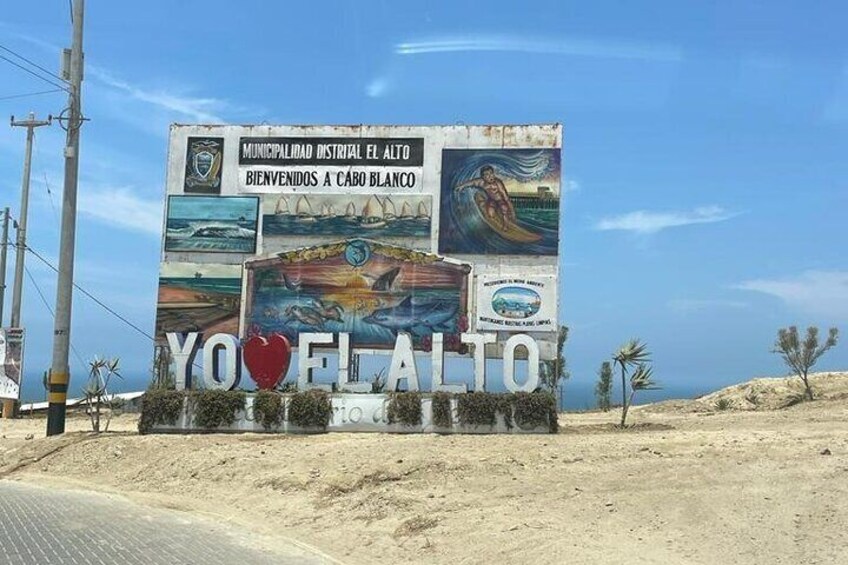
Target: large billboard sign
(374,232)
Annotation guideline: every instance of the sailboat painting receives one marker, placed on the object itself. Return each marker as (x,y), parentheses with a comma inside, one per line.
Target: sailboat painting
(224,224)
(395,215)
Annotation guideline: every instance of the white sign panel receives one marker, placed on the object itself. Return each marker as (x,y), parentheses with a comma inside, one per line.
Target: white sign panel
(365,165)
(11,354)
(508,303)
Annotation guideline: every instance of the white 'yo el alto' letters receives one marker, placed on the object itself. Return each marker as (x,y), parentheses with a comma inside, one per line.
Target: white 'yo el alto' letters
(402,367)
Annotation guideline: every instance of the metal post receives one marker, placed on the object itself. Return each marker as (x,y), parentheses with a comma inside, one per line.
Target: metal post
(3,250)
(20,246)
(59,372)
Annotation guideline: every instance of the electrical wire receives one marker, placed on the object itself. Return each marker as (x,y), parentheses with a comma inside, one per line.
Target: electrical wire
(93,298)
(36,65)
(14,96)
(52,314)
(36,75)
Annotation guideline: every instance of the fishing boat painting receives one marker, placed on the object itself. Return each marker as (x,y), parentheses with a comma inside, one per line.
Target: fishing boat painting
(368,289)
(500,201)
(347,215)
(212,223)
(198,298)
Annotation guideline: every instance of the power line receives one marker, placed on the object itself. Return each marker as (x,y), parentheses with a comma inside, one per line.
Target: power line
(49,309)
(36,65)
(94,298)
(36,75)
(14,96)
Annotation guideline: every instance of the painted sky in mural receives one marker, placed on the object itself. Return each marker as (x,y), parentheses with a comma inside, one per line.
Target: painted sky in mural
(346,215)
(500,201)
(367,289)
(209,223)
(197,297)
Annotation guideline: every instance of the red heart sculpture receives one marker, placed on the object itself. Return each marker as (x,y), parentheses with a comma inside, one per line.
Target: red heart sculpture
(267,359)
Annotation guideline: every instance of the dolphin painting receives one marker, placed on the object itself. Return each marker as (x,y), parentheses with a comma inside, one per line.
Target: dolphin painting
(425,316)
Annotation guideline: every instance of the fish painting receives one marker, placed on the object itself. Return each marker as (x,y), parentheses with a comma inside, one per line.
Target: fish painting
(414,315)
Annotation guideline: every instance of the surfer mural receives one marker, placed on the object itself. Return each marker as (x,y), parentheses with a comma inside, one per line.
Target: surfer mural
(500,201)
(368,289)
(212,223)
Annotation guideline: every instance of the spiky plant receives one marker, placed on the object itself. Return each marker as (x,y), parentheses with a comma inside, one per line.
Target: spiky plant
(633,355)
(801,356)
(96,390)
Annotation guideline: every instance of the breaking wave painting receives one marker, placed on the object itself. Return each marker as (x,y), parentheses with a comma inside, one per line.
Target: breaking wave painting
(224,224)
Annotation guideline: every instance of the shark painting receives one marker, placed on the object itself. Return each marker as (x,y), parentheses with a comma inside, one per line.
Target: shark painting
(414,315)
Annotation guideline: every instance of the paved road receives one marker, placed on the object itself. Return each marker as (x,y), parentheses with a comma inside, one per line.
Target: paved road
(57,527)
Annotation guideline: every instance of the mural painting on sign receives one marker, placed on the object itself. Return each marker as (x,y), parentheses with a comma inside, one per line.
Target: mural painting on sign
(500,201)
(370,290)
(204,157)
(198,298)
(400,215)
(212,223)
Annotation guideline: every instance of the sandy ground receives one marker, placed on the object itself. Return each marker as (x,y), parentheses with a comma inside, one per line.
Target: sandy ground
(687,484)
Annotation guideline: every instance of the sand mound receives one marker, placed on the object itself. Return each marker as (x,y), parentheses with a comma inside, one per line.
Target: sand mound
(761,394)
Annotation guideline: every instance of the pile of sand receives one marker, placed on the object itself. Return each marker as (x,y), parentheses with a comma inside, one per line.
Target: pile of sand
(762,394)
(743,487)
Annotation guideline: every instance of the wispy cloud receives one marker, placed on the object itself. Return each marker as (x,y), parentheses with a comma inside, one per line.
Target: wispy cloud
(818,293)
(123,208)
(648,222)
(599,48)
(197,109)
(570,185)
(688,305)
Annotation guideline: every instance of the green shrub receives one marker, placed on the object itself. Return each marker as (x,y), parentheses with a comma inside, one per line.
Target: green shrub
(442,416)
(217,408)
(268,408)
(160,406)
(405,407)
(722,404)
(536,409)
(476,408)
(505,407)
(310,409)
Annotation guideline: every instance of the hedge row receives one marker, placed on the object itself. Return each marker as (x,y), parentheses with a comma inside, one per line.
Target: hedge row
(219,408)
(313,409)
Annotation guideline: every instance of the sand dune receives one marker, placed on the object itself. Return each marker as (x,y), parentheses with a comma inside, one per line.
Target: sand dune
(687,484)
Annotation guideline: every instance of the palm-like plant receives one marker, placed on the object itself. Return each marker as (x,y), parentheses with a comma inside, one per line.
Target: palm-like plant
(633,355)
(96,390)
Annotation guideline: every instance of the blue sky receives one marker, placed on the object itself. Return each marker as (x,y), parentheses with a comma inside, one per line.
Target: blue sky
(704,151)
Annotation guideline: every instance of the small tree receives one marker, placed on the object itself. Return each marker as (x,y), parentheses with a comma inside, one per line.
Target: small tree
(801,356)
(97,390)
(604,386)
(554,371)
(633,355)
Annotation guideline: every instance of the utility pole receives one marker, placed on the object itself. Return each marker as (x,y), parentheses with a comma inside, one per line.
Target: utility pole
(3,250)
(60,372)
(20,246)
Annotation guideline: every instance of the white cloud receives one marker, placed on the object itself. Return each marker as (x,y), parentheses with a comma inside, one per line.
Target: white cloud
(581,47)
(123,208)
(687,305)
(647,222)
(377,87)
(819,293)
(570,185)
